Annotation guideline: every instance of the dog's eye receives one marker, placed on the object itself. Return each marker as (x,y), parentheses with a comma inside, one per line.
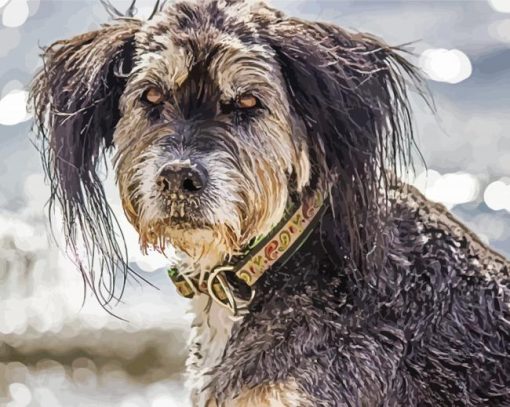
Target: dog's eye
(247,102)
(153,95)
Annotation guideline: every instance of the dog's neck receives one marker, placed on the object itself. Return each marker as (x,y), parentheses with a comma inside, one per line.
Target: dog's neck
(315,253)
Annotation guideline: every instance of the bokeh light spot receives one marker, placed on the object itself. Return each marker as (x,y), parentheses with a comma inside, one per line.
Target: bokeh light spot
(443,65)
(20,393)
(13,108)
(15,13)
(497,196)
(448,189)
(503,6)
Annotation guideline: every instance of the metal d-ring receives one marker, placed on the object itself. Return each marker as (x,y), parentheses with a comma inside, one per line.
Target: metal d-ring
(231,301)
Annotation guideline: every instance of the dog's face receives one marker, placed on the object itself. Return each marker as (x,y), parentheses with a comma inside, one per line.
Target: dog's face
(218,111)
(208,144)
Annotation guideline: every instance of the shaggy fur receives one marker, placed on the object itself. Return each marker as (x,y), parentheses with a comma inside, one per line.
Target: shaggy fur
(389,302)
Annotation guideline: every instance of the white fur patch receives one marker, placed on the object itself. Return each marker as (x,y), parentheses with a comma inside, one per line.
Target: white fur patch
(210,332)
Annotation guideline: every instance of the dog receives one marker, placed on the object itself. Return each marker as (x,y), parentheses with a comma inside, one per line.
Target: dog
(264,149)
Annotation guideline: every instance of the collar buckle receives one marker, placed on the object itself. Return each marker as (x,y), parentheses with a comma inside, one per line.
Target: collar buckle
(221,292)
(216,287)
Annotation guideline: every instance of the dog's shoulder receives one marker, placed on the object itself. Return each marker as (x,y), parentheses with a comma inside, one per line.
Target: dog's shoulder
(433,221)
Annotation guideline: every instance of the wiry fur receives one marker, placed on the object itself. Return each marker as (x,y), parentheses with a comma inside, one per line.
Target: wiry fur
(389,302)
(75,99)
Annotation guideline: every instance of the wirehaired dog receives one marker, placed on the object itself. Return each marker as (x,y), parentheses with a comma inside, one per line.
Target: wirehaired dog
(262,148)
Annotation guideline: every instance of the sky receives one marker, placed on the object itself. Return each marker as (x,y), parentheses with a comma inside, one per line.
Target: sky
(463,48)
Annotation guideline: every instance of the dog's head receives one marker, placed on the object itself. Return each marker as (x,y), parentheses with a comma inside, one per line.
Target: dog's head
(217,112)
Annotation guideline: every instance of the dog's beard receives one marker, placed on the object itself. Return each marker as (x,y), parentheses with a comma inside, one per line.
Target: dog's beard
(239,203)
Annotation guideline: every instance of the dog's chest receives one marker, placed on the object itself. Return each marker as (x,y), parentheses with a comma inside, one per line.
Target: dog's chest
(210,332)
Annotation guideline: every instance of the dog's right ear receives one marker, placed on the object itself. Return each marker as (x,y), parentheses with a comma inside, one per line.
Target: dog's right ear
(75,99)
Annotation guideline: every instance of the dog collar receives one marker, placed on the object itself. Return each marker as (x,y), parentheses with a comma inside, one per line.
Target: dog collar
(272,251)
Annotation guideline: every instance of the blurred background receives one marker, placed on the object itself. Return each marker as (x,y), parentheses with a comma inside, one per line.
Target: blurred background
(58,348)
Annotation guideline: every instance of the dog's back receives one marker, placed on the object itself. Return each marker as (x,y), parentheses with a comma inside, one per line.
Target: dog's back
(453,307)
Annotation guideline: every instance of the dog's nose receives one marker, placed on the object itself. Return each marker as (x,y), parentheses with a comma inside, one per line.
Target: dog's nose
(182,177)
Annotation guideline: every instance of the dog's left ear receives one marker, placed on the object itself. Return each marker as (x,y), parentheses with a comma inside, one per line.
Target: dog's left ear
(75,99)
(350,90)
